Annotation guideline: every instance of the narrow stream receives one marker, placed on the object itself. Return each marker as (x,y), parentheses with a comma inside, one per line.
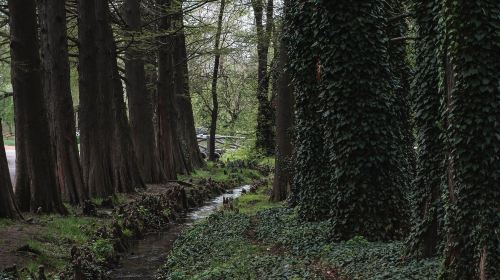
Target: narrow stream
(149,253)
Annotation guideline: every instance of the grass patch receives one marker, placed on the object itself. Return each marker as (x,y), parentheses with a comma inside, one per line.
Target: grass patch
(251,203)
(5,222)
(9,141)
(223,175)
(55,239)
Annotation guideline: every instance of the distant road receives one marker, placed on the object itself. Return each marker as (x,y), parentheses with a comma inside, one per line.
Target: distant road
(11,159)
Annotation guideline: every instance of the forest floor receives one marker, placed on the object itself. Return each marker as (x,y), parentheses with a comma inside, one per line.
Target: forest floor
(47,240)
(263,240)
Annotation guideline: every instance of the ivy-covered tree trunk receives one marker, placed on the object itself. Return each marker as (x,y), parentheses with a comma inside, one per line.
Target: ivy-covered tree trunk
(31,116)
(8,204)
(284,124)
(401,74)
(56,75)
(186,127)
(471,87)
(426,205)
(264,131)
(361,142)
(310,191)
(140,101)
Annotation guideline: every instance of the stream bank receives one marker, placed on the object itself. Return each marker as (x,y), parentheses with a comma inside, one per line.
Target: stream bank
(82,247)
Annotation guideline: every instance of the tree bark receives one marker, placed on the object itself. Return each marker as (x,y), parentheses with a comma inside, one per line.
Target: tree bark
(171,154)
(95,106)
(32,123)
(284,124)
(108,156)
(215,76)
(140,102)
(56,74)
(264,132)
(8,204)
(126,174)
(187,130)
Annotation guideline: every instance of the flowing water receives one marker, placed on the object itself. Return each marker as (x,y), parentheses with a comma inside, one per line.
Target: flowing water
(149,253)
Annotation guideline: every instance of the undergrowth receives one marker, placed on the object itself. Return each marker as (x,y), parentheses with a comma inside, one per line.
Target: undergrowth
(218,248)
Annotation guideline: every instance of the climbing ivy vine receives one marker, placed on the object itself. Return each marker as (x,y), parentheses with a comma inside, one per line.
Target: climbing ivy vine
(344,93)
(470,86)
(426,206)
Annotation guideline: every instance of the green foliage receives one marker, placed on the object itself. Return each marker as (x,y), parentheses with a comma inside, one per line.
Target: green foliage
(356,258)
(469,81)
(426,202)
(348,147)
(103,249)
(232,176)
(219,249)
(251,203)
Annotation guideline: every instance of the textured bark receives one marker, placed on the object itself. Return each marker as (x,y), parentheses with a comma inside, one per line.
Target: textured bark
(264,131)
(31,122)
(95,113)
(215,76)
(8,204)
(186,127)
(108,156)
(140,102)
(56,76)
(171,154)
(284,124)
(126,174)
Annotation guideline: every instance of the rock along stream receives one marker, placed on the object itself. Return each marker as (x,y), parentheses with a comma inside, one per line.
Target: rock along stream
(148,254)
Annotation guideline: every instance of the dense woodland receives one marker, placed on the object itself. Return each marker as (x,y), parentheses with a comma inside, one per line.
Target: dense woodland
(383,117)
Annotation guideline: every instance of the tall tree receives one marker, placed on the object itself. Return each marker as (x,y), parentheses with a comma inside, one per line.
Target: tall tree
(186,127)
(425,234)
(56,76)
(310,192)
(8,204)
(140,100)
(34,148)
(361,190)
(264,132)
(472,121)
(95,115)
(171,153)
(108,157)
(284,124)
(215,77)
(126,174)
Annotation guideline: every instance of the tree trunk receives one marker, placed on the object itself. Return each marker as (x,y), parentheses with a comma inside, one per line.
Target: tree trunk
(187,130)
(215,76)
(471,120)
(126,174)
(8,204)
(32,123)
(52,14)
(171,154)
(284,125)
(425,233)
(95,112)
(140,102)
(108,155)
(264,132)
